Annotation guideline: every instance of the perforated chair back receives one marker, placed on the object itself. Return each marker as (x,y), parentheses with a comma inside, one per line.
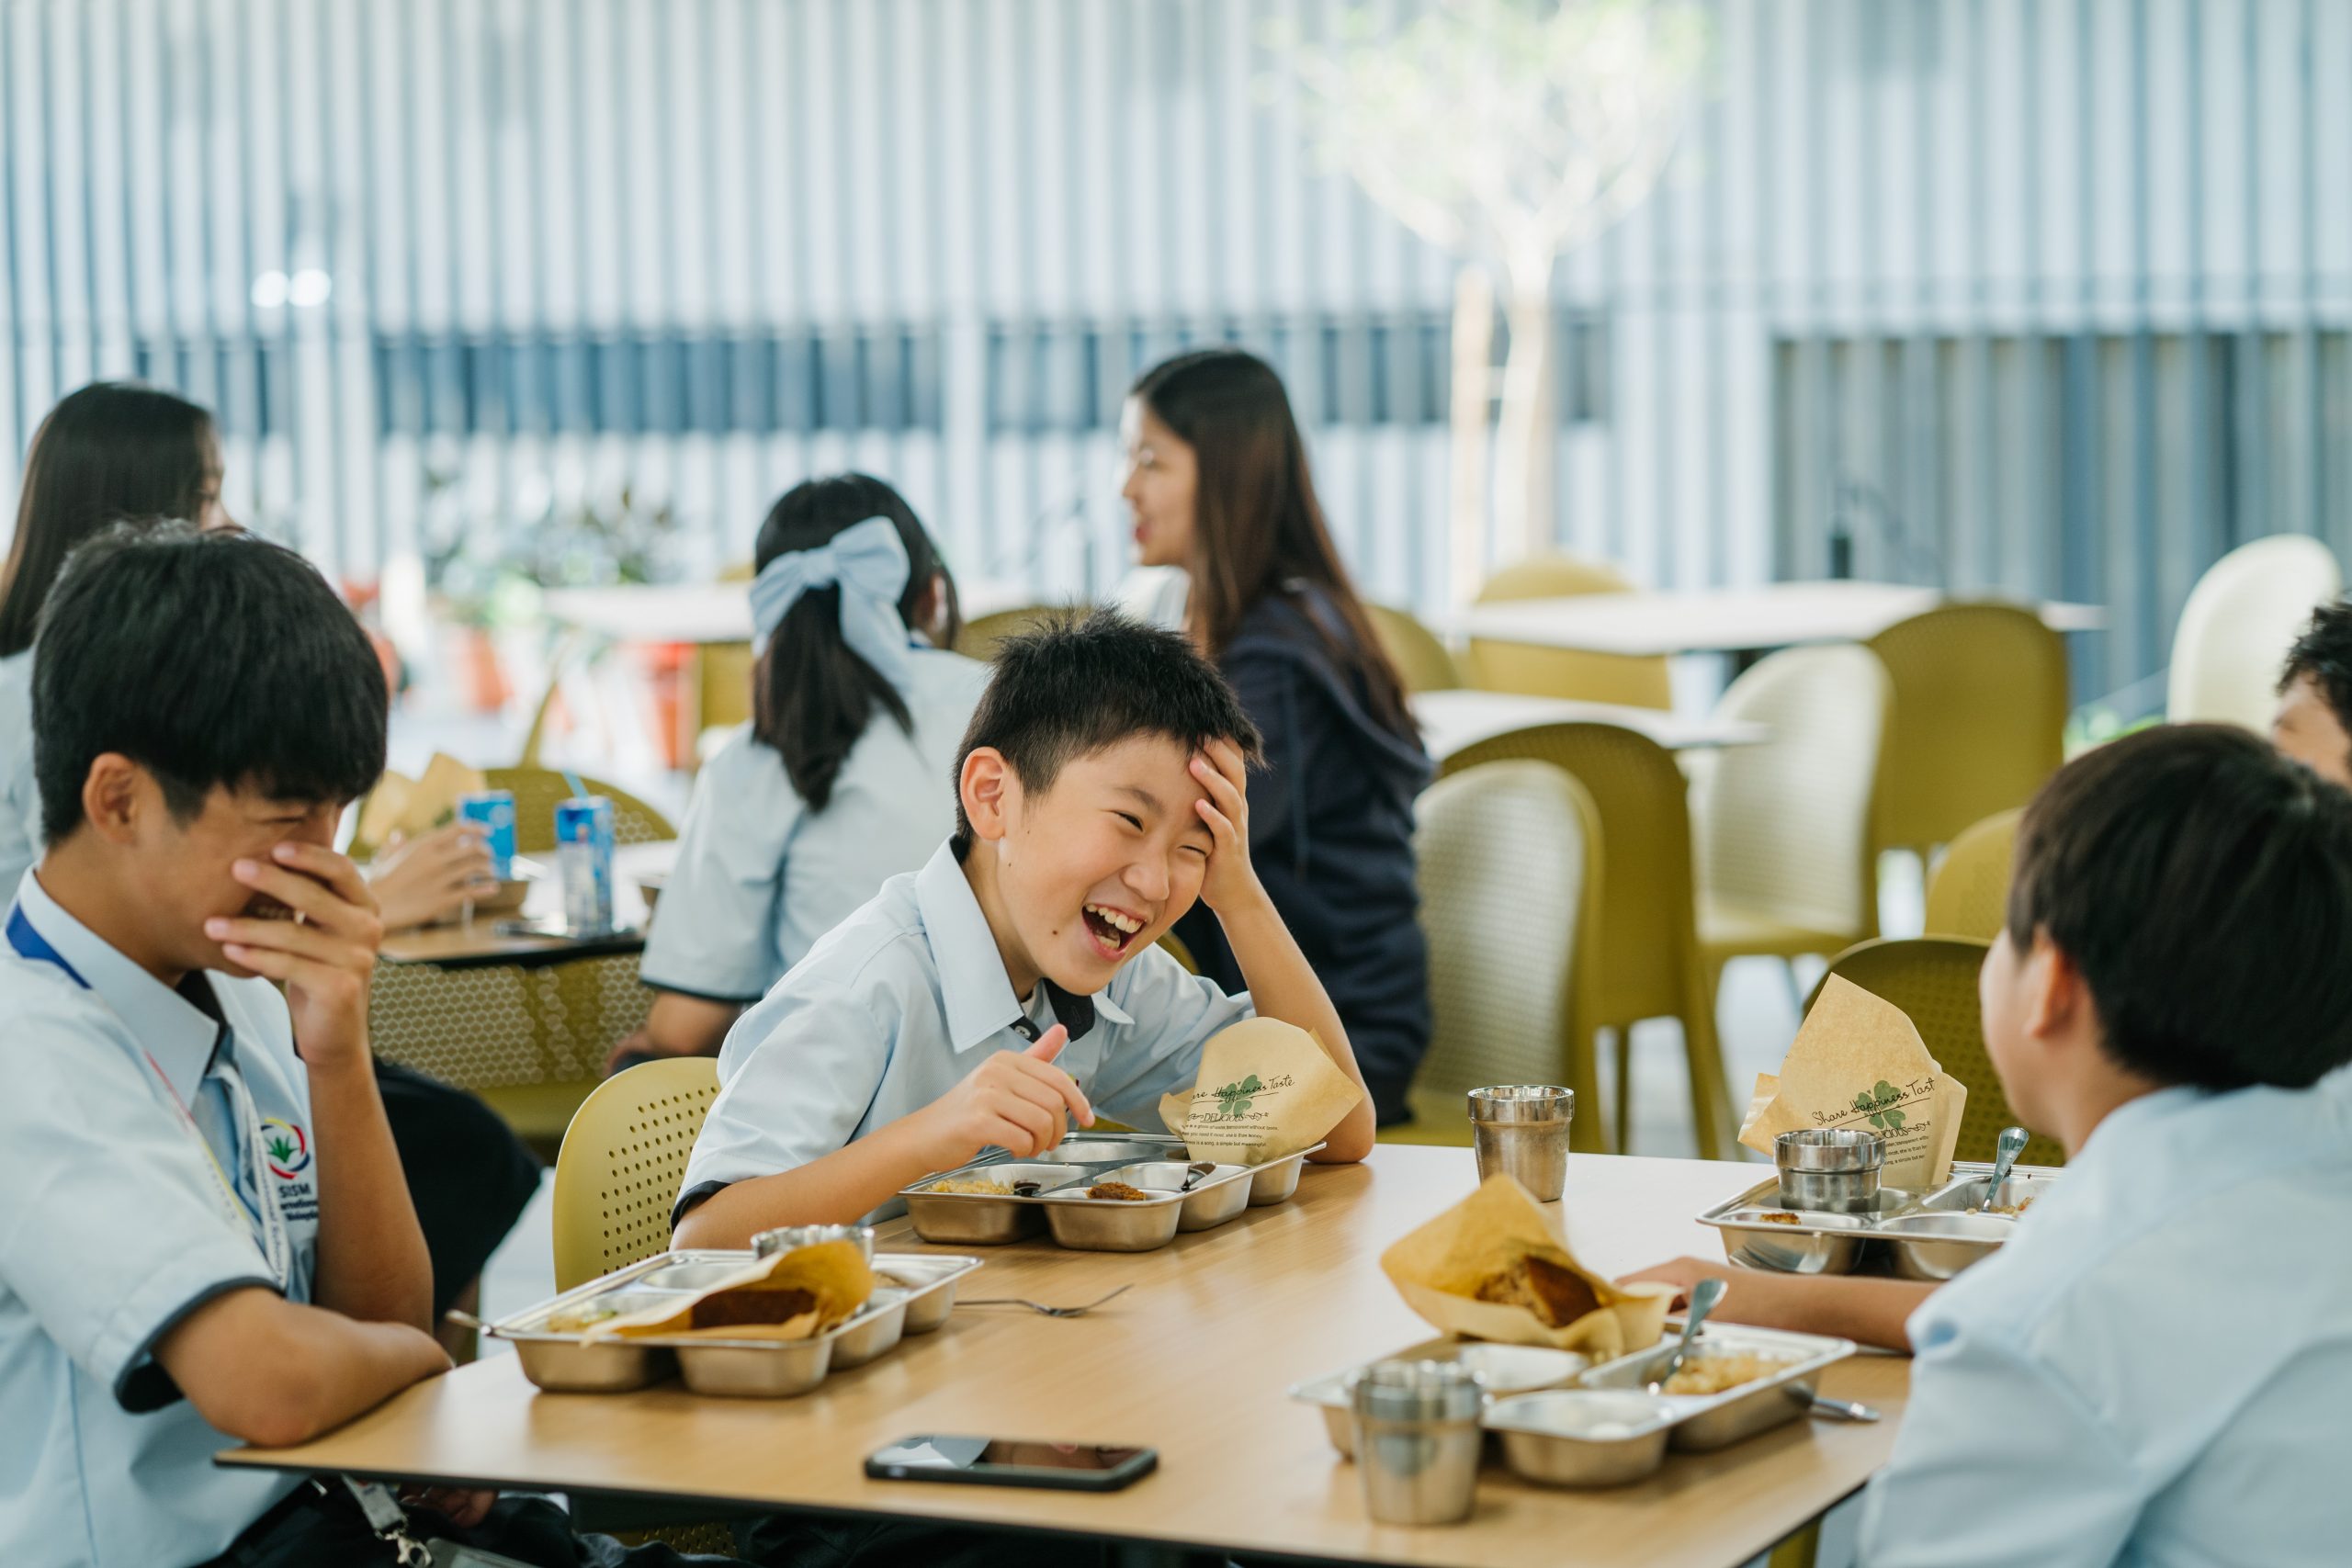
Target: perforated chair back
(621,1163)
(2237,623)
(1422,661)
(1648,963)
(1933,980)
(1783,828)
(1978,723)
(537,791)
(1563,673)
(1503,943)
(1969,894)
(979,638)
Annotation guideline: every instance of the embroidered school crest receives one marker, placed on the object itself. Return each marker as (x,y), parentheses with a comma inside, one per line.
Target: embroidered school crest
(288,1150)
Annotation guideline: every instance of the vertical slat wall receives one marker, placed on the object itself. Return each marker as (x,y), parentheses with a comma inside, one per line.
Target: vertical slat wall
(2044,296)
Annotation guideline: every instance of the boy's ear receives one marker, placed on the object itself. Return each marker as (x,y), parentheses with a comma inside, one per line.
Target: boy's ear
(989,789)
(2058,1000)
(113,794)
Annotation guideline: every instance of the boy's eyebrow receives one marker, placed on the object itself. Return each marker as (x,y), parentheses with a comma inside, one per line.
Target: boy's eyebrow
(1151,801)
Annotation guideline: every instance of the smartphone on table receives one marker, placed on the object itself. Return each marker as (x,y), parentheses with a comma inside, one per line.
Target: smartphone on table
(1007,1461)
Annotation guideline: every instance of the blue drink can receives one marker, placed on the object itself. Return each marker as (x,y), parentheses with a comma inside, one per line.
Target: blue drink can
(584,854)
(492,810)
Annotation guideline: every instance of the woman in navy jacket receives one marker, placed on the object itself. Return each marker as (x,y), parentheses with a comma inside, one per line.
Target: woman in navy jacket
(1219,484)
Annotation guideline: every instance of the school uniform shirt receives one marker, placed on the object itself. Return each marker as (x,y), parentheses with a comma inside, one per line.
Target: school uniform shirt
(759,877)
(20,840)
(116,1227)
(2155,1371)
(901,1003)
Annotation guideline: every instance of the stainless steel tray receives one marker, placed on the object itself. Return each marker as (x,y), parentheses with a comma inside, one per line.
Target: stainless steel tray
(985,1219)
(1131,1225)
(1511,1370)
(574,1362)
(1930,1235)
(1713,1420)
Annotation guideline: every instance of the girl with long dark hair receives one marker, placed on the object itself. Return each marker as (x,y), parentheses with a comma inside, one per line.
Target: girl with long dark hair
(1219,484)
(838,782)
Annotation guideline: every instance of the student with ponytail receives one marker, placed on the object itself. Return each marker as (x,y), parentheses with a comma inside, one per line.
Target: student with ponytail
(834,785)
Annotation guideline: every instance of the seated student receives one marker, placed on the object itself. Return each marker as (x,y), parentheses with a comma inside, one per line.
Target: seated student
(2313,721)
(207,1238)
(833,787)
(2155,1369)
(1013,981)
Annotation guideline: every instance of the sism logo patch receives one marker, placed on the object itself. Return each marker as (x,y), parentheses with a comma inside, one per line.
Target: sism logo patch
(288,1150)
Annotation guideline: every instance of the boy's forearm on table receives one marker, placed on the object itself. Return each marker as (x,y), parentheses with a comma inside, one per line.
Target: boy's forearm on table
(372,1261)
(838,1190)
(1284,985)
(1870,1312)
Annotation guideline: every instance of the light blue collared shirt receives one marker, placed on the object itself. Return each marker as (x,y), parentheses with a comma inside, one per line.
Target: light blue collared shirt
(899,1004)
(759,877)
(2156,1372)
(19,794)
(111,1234)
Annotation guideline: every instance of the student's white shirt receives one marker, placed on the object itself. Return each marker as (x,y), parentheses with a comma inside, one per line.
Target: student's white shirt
(116,1227)
(2157,1370)
(759,877)
(19,795)
(901,1003)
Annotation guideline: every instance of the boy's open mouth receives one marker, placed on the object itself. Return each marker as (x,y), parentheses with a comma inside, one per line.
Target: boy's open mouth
(1112,929)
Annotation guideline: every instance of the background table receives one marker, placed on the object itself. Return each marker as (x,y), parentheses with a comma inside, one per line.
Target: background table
(1453,720)
(1726,620)
(714,612)
(1195,1361)
(479,940)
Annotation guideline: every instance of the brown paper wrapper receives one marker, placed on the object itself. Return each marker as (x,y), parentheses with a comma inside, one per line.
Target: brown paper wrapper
(1858,1062)
(1266,1090)
(1439,1268)
(831,1276)
(414,806)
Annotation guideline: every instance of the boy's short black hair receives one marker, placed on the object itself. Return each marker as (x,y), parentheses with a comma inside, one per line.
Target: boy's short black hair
(206,659)
(1076,684)
(2203,884)
(2323,655)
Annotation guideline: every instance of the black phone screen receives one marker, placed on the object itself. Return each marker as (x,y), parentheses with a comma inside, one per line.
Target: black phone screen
(1012,1461)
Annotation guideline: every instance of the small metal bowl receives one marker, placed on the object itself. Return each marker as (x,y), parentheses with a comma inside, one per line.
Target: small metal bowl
(879,1325)
(1582,1437)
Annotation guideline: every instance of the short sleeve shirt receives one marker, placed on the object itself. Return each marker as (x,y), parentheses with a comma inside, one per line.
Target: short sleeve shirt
(759,877)
(20,794)
(116,1226)
(899,1004)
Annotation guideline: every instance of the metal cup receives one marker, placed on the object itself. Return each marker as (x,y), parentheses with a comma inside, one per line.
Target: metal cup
(1418,1440)
(1521,1129)
(791,1238)
(1830,1171)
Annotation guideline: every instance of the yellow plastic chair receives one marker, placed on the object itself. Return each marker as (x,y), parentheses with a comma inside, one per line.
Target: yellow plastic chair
(622,1159)
(1933,980)
(1422,661)
(1504,947)
(1980,711)
(1647,963)
(979,638)
(537,791)
(1559,672)
(1782,829)
(2237,623)
(1969,894)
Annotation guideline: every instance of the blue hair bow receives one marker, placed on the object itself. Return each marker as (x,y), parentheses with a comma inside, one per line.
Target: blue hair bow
(868,561)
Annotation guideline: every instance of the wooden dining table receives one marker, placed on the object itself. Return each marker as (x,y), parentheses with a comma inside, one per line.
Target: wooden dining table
(483,938)
(1195,1359)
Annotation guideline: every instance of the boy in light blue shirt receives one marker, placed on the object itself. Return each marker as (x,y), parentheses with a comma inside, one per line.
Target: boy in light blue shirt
(2156,1369)
(1013,982)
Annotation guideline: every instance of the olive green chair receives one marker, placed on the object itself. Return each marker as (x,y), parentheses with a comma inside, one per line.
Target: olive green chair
(1505,948)
(979,638)
(538,790)
(1647,963)
(1933,980)
(1557,671)
(1979,719)
(1968,895)
(1422,661)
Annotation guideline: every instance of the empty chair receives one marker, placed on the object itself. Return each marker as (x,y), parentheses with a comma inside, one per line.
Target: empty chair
(1969,893)
(1504,947)
(1978,721)
(1422,661)
(2237,623)
(537,790)
(622,1159)
(1933,980)
(1564,672)
(979,638)
(1646,963)
(1787,861)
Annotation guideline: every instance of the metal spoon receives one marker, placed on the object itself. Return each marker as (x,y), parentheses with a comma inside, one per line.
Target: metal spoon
(1839,1409)
(2005,1155)
(1200,1170)
(1704,1297)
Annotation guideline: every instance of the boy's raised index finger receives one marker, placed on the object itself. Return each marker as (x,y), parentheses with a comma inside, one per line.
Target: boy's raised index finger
(1049,1044)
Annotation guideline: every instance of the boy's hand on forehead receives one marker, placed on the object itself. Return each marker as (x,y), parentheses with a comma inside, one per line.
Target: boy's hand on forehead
(1231,880)
(312,927)
(1016,1100)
